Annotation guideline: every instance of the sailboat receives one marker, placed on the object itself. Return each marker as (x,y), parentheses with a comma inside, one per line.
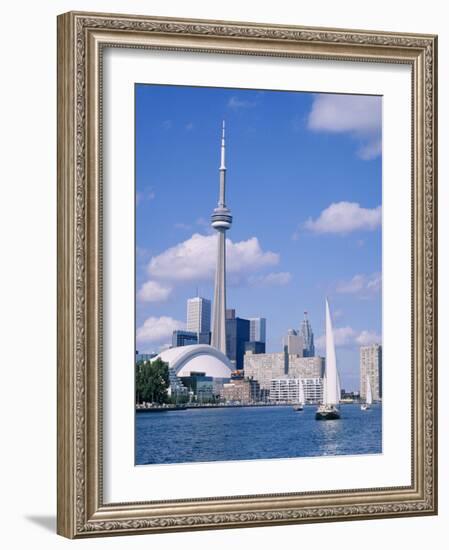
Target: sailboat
(369,396)
(299,406)
(329,410)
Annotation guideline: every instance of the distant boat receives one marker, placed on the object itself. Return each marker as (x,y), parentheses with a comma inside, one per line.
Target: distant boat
(369,396)
(329,410)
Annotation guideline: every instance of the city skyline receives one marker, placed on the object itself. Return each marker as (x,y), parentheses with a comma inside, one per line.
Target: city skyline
(317,242)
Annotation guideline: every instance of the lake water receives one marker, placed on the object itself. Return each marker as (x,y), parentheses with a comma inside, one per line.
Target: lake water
(205,435)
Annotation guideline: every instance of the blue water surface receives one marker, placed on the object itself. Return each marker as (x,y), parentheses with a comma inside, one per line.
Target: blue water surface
(248,433)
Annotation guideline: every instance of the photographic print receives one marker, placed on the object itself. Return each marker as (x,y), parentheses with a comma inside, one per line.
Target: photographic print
(258,274)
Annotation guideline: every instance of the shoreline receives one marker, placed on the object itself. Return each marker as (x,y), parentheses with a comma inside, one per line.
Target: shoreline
(225,406)
(219,406)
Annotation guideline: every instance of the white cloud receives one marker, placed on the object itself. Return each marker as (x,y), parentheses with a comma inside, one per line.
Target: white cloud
(152,291)
(280,278)
(344,217)
(236,103)
(346,113)
(344,336)
(370,150)
(348,337)
(367,337)
(195,259)
(361,116)
(158,329)
(189,126)
(363,285)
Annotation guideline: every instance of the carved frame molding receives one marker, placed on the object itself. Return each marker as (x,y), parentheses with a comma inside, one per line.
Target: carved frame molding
(81,39)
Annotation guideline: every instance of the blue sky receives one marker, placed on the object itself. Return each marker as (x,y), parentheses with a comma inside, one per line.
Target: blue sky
(304,186)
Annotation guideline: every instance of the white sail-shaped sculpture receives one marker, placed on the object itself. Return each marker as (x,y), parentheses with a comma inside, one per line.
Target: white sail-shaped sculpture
(331,379)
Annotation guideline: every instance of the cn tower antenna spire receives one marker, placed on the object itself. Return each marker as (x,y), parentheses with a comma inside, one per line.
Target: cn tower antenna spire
(223,148)
(222,197)
(221,221)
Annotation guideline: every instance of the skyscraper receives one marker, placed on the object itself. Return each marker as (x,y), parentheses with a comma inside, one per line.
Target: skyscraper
(221,221)
(293,343)
(258,329)
(371,367)
(307,336)
(237,335)
(198,315)
(255,347)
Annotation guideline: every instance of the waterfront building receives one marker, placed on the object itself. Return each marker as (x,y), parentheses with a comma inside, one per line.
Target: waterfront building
(307,336)
(371,367)
(218,384)
(221,221)
(176,387)
(198,315)
(255,347)
(286,390)
(258,329)
(243,391)
(305,367)
(197,358)
(313,389)
(200,385)
(260,366)
(263,367)
(237,334)
(293,343)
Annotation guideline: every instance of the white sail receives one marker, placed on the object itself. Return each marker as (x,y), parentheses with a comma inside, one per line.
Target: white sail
(301,397)
(369,393)
(331,382)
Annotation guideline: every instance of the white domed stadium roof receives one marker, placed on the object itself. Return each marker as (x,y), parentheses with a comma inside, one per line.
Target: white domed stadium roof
(197,358)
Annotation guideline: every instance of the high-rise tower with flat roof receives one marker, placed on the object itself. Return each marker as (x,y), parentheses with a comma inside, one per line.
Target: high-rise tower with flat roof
(371,367)
(257,329)
(198,315)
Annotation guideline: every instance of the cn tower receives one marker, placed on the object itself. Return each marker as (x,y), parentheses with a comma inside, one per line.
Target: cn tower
(221,221)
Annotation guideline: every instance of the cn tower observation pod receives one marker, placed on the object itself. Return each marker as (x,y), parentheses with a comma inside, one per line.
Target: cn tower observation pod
(197,358)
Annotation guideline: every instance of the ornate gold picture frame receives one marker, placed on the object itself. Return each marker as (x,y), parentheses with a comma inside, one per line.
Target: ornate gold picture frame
(82,40)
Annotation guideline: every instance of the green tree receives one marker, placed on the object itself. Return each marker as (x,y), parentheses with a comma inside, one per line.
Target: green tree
(152,381)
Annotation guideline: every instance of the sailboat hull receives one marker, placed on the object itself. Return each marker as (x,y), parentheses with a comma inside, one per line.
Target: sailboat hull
(327,413)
